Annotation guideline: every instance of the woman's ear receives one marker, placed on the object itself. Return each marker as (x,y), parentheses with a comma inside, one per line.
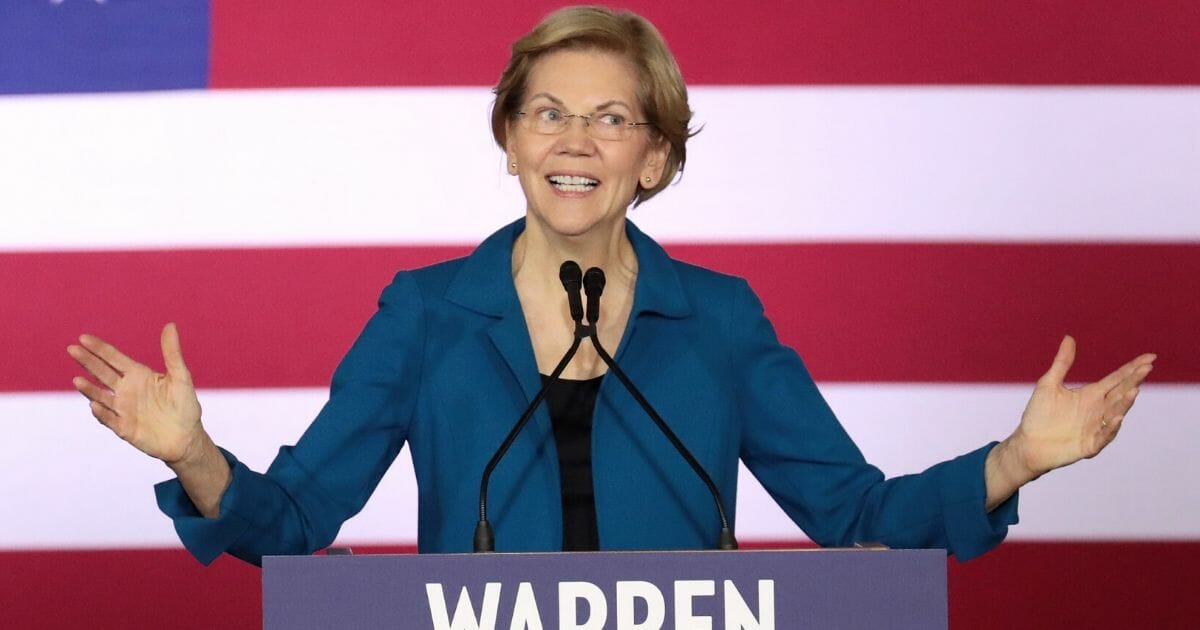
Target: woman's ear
(510,153)
(656,163)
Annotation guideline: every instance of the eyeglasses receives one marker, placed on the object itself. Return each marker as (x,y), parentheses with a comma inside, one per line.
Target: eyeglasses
(549,121)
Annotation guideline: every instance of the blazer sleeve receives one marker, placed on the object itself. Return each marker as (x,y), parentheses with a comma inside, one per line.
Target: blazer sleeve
(798,450)
(300,503)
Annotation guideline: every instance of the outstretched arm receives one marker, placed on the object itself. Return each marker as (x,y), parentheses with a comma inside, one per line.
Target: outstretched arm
(1061,426)
(803,456)
(158,414)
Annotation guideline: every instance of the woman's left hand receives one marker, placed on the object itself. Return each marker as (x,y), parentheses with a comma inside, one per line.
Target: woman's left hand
(1061,426)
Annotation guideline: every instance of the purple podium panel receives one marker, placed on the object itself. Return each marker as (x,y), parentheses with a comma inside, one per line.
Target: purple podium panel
(680,590)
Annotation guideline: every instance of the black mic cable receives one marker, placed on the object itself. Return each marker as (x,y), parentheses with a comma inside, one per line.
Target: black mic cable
(569,274)
(593,287)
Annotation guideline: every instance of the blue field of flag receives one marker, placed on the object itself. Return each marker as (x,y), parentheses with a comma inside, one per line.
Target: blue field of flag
(51,46)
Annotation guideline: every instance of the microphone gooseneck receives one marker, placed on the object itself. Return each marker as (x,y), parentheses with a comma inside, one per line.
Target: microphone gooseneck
(593,287)
(569,274)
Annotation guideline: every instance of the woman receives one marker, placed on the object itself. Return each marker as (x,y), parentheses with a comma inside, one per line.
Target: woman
(592,115)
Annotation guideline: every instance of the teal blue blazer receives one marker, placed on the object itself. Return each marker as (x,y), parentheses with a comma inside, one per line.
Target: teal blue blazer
(446,366)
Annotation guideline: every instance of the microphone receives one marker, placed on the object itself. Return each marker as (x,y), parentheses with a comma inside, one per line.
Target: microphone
(593,287)
(569,275)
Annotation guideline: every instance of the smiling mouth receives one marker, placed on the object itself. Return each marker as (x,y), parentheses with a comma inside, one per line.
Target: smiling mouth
(573,183)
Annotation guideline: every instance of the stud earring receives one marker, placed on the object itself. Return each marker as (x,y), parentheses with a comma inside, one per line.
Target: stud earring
(512,165)
(647,180)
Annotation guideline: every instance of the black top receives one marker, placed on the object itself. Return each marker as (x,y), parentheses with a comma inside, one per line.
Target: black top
(571,404)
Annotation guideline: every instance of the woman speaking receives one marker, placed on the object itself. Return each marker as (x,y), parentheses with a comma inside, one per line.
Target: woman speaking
(592,115)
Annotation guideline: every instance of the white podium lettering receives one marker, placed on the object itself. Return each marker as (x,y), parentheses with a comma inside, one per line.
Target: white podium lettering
(464,611)
(525,610)
(737,613)
(685,591)
(628,592)
(568,595)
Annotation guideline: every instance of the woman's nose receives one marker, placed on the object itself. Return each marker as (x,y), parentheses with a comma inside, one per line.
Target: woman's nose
(576,138)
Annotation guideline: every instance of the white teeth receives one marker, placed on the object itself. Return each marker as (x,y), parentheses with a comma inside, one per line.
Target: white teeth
(571,188)
(572,181)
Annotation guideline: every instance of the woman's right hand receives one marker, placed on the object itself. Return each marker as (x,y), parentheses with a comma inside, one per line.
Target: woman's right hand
(158,414)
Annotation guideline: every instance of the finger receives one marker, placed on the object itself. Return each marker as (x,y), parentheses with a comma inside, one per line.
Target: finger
(95,365)
(1120,406)
(173,353)
(1123,372)
(106,351)
(1062,363)
(106,416)
(1109,428)
(94,393)
(1132,380)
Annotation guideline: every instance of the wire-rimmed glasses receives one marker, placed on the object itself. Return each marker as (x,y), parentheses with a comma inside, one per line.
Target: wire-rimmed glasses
(549,121)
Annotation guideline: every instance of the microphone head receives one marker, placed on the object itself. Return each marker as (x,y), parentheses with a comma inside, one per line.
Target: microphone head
(593,286)
(593,281)
(570,274)
(571,277)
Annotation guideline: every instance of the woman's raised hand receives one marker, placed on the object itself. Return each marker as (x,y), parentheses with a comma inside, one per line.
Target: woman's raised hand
(156,413)
(1061,426)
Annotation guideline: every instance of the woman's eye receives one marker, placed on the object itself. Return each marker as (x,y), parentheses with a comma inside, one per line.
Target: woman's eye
(549,115)
(614,120)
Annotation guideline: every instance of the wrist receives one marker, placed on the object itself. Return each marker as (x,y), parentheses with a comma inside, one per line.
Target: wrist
(1013,463)
(199,450)
(204,473)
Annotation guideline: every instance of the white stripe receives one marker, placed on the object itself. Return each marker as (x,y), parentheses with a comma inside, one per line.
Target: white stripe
(364,166)
(72,484)
(1142,487)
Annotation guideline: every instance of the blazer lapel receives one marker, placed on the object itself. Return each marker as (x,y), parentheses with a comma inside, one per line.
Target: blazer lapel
(658,290)
(511,339)
(484,285)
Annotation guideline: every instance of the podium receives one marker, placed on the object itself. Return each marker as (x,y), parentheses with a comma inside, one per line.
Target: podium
(692,590)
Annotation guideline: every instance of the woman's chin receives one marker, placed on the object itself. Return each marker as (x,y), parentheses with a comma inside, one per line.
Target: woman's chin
(575,224)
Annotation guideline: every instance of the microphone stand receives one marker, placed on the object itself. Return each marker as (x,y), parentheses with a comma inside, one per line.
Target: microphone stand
(570,274)
(593,283)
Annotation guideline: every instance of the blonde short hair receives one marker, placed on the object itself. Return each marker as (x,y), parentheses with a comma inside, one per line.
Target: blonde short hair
(661,92)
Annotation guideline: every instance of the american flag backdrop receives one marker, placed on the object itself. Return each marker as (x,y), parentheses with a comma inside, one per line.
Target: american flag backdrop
(926,195)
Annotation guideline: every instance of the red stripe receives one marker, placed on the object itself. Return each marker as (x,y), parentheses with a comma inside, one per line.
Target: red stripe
(247,317)
(382,42)
(1019,585)
(973,312)
(857,312)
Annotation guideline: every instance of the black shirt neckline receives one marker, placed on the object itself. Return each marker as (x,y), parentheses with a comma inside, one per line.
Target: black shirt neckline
(571,404)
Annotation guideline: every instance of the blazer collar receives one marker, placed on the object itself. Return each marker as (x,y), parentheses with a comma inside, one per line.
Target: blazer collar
(484,282)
